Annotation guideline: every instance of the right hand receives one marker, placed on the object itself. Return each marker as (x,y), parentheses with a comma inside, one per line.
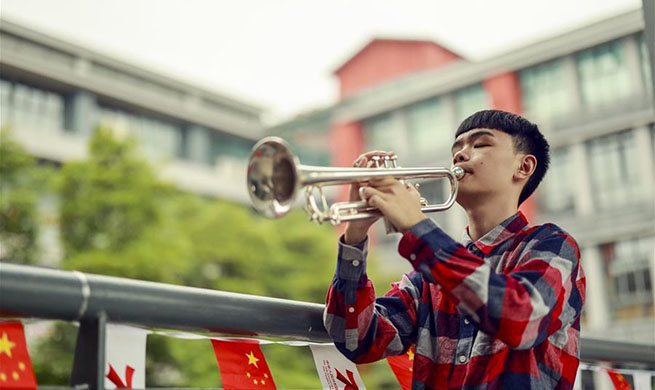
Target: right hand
(356,231)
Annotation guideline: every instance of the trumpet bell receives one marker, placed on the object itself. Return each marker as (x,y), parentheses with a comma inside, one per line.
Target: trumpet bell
(272,177)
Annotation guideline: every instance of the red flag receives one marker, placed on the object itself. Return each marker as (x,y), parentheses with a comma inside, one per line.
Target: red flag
(619,381)
(118,381)
(242,365)
(350,382)
(15,365)
(402,368)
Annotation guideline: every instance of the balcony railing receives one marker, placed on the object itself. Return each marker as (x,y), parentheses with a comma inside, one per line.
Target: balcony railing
(94,300)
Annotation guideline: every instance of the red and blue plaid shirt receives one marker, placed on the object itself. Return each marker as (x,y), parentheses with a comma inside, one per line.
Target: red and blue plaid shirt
(502,312)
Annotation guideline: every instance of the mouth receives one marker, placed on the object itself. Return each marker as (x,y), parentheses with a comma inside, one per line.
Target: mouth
(467,170)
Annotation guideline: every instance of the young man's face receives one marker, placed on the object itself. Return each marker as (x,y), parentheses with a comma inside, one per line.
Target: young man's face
(490,162)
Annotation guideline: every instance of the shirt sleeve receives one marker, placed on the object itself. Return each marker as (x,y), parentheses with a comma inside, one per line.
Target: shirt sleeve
(522,307)
(366,329)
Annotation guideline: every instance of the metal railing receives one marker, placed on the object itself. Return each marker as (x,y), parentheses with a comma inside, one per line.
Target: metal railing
(93,300)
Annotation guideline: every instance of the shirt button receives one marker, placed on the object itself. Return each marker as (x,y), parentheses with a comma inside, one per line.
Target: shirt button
(462,359)
(412,257)
(351,309)
(355,263)
(466,321)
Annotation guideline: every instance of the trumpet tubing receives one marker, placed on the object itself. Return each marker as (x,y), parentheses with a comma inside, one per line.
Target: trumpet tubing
(275,176)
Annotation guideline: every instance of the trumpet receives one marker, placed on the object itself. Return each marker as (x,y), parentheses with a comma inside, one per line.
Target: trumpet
(275,176)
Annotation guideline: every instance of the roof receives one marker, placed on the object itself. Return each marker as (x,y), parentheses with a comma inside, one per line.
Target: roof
(378,40)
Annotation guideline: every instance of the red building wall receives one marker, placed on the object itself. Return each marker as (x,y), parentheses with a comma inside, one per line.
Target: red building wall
(385,59)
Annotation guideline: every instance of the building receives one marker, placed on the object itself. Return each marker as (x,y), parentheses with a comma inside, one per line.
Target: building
(589,89)
(55,93)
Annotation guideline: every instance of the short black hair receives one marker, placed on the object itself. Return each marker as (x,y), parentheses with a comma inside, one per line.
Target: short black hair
(526,138)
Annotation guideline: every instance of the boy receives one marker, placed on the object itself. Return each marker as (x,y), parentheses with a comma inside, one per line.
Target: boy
(502,309)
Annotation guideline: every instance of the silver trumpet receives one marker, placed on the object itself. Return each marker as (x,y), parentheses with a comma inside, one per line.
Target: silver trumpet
(275,177)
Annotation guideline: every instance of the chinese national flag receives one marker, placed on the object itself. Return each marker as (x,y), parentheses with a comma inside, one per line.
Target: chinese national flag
(619,381)
(402,368)
(15,366)
(242,365)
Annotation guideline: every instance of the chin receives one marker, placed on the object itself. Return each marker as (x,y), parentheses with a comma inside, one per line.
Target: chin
(466,198)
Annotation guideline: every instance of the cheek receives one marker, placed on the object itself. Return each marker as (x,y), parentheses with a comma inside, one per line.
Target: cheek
(494,172)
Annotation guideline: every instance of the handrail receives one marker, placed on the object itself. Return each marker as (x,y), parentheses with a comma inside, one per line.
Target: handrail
(28,291)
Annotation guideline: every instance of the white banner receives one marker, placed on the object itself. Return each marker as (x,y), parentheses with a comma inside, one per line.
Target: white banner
(336,372)
(125,357)
(642,380)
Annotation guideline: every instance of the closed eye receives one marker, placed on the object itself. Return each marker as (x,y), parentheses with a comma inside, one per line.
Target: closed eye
(480,145)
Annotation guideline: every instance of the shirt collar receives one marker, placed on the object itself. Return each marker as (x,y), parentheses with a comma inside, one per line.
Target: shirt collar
(497,235)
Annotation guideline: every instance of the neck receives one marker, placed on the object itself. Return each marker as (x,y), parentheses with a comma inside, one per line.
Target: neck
(487,214)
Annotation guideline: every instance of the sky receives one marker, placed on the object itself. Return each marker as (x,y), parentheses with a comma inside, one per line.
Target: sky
(281,54)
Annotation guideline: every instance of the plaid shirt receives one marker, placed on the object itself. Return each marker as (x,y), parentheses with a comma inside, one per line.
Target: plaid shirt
(502,312)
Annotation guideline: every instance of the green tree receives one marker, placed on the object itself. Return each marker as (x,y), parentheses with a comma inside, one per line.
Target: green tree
(20,182)
(109,199)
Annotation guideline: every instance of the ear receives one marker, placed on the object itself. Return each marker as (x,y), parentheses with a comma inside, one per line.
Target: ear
(528,164)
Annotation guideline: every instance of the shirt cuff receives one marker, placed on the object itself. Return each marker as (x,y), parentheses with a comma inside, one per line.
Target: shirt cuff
(351,263)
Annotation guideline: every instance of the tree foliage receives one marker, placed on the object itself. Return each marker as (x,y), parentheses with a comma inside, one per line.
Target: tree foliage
(108,200)
(20,182)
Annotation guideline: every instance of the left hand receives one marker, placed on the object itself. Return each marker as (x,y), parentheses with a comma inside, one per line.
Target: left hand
(400,203)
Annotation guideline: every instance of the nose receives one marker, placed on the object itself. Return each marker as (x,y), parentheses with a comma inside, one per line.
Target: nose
(460,156)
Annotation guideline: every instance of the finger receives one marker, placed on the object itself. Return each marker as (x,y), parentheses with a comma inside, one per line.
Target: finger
(370,157)
(376,201)
(367,158)
(380,153)
(360,162)
(371,192)
(383,182)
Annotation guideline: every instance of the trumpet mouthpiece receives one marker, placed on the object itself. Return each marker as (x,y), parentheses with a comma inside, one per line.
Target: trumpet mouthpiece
(458,172)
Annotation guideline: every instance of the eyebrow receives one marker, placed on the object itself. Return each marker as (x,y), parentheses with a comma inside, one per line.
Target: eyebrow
(473,136)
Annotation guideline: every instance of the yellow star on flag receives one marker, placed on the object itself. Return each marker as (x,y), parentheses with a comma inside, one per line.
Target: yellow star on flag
(252,359)
(410,354)
(6,345)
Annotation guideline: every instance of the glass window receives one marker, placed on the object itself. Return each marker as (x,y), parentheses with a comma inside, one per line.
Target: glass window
(614,170)
(28,108)
(646,68)
(230,147)
(558,183)
(229,154)
(544,89)
(470,100)
(381,134)
(159,138)
(428,125)
(627,263)
(604,75)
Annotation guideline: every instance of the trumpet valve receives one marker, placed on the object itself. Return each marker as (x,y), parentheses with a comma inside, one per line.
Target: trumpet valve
(394,161)
(376,161)
(387,161)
